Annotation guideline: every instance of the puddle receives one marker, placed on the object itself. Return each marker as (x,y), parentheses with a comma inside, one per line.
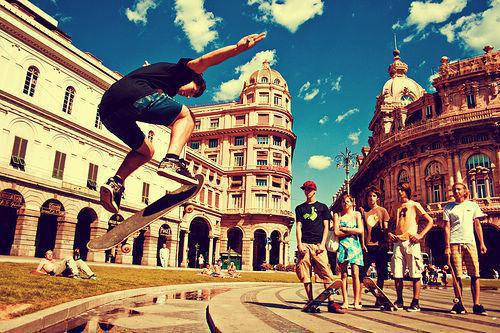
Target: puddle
(143,313)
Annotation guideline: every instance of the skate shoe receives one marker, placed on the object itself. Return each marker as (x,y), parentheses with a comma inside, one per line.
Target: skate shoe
(111,195)
(176,170)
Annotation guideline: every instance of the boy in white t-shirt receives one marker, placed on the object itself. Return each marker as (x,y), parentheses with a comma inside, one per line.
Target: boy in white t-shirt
(461,218)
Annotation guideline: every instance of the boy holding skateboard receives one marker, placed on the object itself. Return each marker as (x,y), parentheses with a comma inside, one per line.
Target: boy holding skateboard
(146,95)
(406,251)
(313,219)
(461,219)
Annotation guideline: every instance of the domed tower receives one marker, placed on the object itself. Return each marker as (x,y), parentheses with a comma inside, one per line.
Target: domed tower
(396,94)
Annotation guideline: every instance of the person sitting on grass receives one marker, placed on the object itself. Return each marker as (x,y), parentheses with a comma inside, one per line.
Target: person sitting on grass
(64,267)
(231,271)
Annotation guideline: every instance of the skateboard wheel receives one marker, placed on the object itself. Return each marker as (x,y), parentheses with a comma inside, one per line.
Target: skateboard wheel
(126,248)
(456,300)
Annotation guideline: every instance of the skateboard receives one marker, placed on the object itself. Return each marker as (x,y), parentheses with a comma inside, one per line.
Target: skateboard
(383,300)
(145,217)
(456,285)
(313,305)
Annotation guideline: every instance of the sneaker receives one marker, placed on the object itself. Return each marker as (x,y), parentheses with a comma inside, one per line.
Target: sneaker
(479,310)
(357,306)
(399,304)
(414,307)
(177,170)
(111,195)
(458,308)
(335,308)
(93,277)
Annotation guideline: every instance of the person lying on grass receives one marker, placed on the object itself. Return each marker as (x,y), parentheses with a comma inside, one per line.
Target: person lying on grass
(64,267)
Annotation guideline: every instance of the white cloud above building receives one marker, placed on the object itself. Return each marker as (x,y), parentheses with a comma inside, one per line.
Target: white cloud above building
(139,13)
(231,89)
(308,91)
(423,13)
(197,23)
(354,137)
(346,114)
(324,120)
(289,13)
(319,162)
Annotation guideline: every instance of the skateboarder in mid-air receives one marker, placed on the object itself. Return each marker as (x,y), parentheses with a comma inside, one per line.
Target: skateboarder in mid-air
(145,95)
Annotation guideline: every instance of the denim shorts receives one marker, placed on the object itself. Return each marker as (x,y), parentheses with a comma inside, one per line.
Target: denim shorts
(157,108)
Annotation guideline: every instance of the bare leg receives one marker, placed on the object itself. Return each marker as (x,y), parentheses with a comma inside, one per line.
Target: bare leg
(416,288)
(356,286)
(135,159)
(343,276)
(309,290)
(475,289)
(398,283)
(182,128)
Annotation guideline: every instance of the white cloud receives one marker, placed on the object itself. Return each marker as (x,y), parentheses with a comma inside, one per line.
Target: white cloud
(431,88)
(424,13)
(354,137)
(324,120)
(288,13)
(336,83)
(309,90)
(342,116)
(476,30)
(319,162)
(197,23)
(304,87)
(311,94)
(140,11)
(231,89)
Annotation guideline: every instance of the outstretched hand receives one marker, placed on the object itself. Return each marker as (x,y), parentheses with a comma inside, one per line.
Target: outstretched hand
(249,41)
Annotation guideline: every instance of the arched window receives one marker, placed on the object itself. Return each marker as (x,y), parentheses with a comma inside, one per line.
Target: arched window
(276,81)
(406,98)
(434,181)
(69,96)
(264,79)
(480,176)
(403,177)
(151,135)
(31,79)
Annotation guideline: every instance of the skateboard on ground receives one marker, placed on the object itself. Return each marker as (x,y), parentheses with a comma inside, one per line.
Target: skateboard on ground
(382,299)
(315,303)
(145,217)
(456,286)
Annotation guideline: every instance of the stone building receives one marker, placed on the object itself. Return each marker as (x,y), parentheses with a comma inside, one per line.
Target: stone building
(433,140)
(56,153)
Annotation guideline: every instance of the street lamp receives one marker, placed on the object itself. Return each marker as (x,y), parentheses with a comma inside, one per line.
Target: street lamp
(346,160)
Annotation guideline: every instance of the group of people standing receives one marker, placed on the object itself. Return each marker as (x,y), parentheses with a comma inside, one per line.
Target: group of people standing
(365,237)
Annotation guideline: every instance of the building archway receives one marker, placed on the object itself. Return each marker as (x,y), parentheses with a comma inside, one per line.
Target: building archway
(435,243)
(274,253)
(10,203)
(490,260)
(164,237)
(138,249)
(259,249)
(50,213)
(82,231)
(235,240)
(198,241)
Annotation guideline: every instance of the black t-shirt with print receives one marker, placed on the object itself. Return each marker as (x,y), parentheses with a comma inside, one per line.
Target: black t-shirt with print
(146,80)
(312,216)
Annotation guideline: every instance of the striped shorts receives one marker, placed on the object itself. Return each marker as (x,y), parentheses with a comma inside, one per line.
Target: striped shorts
(466,253)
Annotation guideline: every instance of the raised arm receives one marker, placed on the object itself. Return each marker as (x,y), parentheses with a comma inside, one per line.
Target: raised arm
(199,65)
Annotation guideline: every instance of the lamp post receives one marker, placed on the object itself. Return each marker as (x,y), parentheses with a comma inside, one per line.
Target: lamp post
(346,160)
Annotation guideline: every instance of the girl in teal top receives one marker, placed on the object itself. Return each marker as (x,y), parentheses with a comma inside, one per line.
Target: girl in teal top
(349,227)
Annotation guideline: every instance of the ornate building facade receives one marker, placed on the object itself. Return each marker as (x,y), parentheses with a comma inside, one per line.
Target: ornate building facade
(433,140)
(56,153)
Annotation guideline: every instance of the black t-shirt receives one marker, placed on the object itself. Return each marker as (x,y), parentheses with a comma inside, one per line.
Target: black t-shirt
(312,216)
(148,79)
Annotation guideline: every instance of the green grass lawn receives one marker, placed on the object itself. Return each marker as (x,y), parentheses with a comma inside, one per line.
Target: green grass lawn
(19,287)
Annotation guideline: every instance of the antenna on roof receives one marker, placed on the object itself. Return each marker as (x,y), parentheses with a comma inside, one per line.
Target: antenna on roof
(395,42)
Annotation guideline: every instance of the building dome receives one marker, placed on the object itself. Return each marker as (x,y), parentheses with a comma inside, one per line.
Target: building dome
(400,88)
(266,75)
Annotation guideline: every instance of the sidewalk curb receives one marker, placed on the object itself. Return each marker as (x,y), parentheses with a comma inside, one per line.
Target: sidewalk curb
(45,318)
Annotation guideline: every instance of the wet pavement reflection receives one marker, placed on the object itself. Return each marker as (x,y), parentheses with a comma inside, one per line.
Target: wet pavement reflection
(183,311)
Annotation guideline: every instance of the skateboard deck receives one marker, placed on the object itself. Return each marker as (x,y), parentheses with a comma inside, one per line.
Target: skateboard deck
(315,303)
(456,285)
(383,300)
(145,217)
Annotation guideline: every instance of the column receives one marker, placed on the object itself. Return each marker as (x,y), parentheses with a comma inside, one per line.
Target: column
(458,173)
(287,253)
(65,236)
(473,189)
(184,262)
(280,255)
(268,252)
(217,248)
(172,258)
(97,229)
(149,255)
(247,255)
(24,237)
(419,181)
(451,178)
(210,250)
(487,184)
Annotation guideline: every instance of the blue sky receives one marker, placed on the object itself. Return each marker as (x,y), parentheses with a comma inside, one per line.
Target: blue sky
(334,54)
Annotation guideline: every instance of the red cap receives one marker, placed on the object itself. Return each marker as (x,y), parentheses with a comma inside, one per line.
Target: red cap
(309,185)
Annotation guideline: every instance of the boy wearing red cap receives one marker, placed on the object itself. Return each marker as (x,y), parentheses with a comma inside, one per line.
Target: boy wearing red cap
(311,230)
